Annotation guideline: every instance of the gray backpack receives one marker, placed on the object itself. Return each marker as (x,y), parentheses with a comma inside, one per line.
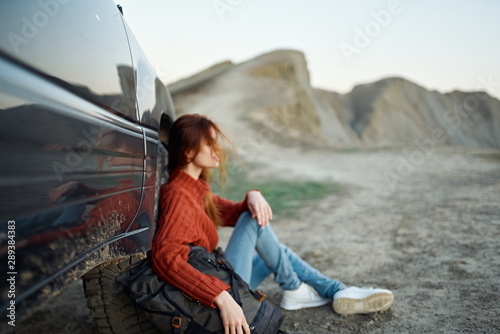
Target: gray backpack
(172,311)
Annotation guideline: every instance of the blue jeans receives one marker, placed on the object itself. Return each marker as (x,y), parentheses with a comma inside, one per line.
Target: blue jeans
(272,257)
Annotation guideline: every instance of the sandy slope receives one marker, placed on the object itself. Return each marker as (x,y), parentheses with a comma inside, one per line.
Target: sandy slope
(433,240)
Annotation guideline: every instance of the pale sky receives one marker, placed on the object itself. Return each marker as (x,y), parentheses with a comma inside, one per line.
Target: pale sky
(439,44)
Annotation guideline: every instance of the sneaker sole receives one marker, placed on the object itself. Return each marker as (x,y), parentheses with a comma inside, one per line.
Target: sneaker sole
(380,301)
(296,306)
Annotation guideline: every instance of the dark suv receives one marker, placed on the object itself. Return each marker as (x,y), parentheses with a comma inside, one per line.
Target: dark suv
(82,113)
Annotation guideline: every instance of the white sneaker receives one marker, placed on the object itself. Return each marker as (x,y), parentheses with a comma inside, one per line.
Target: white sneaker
(303,297)
(353,300)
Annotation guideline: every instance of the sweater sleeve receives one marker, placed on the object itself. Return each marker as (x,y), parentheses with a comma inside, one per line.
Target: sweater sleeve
(171,249)
(230,211)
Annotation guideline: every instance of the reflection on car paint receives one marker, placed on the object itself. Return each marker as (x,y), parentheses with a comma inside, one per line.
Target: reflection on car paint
(78,174)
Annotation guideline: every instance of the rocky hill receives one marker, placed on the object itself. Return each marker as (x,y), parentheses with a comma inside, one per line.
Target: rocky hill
(270,98)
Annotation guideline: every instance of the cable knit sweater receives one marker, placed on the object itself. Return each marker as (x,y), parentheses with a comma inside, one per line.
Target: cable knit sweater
(183,221)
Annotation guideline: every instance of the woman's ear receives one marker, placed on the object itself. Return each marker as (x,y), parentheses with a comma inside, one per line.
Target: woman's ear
(190,155)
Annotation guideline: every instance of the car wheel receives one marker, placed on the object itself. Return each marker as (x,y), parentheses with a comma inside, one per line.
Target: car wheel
(108,301)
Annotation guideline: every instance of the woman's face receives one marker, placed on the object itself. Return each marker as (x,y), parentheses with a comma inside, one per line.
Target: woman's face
(206,157)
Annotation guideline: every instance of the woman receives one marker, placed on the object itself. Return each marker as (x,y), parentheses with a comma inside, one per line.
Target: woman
(190,214)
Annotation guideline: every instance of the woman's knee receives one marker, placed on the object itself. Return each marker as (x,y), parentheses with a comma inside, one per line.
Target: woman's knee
(246,217)
(247,222)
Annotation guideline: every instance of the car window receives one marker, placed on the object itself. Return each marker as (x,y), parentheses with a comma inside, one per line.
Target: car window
(82,46)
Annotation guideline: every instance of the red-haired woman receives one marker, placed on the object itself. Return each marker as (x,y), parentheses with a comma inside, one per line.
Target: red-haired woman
(190,214)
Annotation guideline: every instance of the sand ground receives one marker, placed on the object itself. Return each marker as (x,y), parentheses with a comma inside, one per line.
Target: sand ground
(426,226)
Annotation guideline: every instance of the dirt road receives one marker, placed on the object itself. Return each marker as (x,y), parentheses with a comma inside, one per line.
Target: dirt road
(426,226)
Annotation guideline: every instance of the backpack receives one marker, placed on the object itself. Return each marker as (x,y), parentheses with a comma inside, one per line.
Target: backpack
(173,311)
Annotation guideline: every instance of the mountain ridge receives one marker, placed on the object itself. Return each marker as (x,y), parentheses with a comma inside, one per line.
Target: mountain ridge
(275,87)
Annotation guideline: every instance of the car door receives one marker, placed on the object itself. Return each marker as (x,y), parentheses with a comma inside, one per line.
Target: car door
(72,173)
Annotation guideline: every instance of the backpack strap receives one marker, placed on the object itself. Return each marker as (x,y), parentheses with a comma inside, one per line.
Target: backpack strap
(256,294)
(234,286)
(235,277)
(177,322)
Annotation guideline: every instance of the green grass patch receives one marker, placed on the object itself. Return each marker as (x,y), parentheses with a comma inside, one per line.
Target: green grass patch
(489,156)
(348,150)
(285,197)
(358,149)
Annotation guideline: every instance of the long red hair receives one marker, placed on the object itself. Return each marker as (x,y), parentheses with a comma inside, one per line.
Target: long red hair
(185,136)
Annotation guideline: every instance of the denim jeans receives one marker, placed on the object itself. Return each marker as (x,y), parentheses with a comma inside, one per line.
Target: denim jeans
(272,257)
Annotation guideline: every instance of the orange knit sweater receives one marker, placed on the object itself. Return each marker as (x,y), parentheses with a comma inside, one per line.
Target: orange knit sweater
(183,221)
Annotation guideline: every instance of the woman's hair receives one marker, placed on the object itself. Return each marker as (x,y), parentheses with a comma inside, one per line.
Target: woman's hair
(185,136)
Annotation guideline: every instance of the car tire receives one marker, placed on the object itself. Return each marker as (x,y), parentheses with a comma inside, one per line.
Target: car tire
(108,301)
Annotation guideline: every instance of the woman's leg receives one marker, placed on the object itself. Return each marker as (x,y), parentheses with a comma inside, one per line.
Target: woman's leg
(271,254)
(259,272)
(325,286)
(248,237)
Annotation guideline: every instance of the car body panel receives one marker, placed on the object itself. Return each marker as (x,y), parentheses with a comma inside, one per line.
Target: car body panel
(79,143)
(72,180)
(153,98)
(64,40)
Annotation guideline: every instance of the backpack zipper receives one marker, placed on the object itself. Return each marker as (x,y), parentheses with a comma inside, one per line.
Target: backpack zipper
(213,263)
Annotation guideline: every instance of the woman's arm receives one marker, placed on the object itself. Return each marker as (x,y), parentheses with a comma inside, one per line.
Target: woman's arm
(254,201)
(231,314)
(170,251)
(259,208)
(170,264)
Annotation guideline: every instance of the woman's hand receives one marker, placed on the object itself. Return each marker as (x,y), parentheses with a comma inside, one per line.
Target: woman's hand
(259,208)
(231,314)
